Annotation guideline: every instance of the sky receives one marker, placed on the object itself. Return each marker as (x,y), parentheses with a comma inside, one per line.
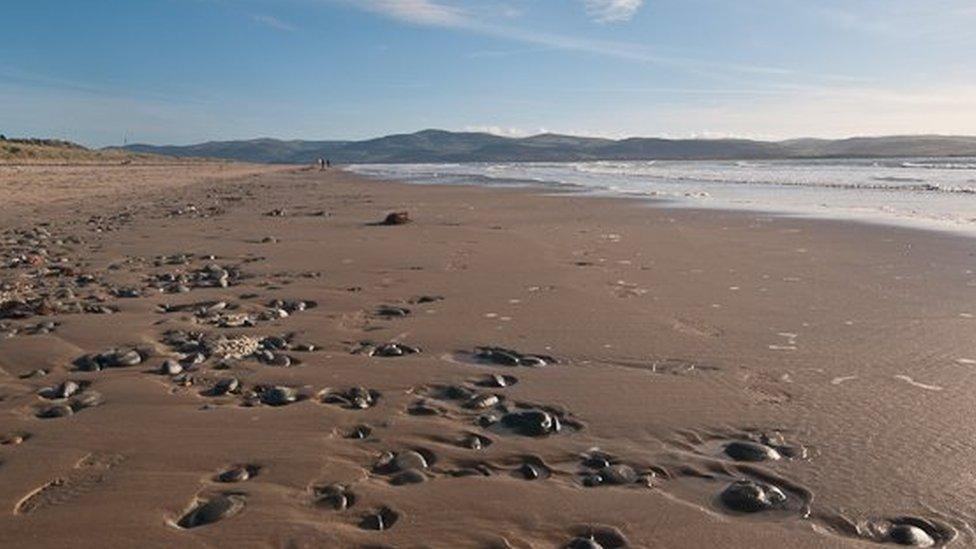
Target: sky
(105,72)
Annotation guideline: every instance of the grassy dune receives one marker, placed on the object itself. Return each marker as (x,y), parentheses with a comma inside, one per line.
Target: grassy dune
(50,151)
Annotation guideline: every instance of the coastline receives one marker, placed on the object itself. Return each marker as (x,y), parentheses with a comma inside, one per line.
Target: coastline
(676,330)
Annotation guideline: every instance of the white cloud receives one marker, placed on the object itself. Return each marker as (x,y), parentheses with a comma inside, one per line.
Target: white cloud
(610,11)
(500,131)
(273,22)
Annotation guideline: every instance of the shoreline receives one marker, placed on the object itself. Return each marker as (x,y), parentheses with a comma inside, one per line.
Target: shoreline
(935,204)
(675,332)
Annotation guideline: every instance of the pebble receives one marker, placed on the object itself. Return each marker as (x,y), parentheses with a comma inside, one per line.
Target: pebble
(907,534)
(529,471)
(278,395)
(583,543)
(396,218)
(480,402)
(410,476)
(743,450)
(508,357)
(239,473)
(360,432)
(216,508)
(500,381)
(532,423)
(13,440)
(381,519)
(475,442)
(749,496)
(170,368)
(618,474)
(62,391)
(409,459)
(58,410)
(394,350)
(392,311)
(336,496)
(226,385)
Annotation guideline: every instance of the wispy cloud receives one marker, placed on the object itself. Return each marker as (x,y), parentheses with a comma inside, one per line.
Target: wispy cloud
(482,20)
(610,11)
(273,22)
(422,12)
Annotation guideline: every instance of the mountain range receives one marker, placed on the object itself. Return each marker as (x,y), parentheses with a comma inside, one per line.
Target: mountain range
(444,146)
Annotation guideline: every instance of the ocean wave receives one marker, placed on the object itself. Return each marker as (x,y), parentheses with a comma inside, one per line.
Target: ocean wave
(940,165)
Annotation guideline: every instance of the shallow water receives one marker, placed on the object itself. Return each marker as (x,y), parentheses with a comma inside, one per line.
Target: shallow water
(935,193)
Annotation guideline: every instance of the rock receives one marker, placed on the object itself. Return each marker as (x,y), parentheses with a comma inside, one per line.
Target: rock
(593,536)
(118,358)
(394,350)
(225,385)
(336,496)
(743,450)
(533,423)
(170,368)
(410,476)
(498,380)
(238,473)
(62,391)
(360,432)
(583,543)
(281,360)
(748,496)
(475,442)
(409,459)
(56,411)
(480,402)
(508,357)
(356,398)
(529,471)
(396,218)
(13,440)
(381,519)
(216,508)
(392,311)
(278,395)
(910,535)
(86,400)
(423,408)
(618,474)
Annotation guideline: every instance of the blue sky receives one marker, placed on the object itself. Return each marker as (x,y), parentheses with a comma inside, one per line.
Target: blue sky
(183,71)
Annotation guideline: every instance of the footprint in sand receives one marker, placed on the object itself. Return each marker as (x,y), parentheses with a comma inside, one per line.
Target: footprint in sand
(88,474)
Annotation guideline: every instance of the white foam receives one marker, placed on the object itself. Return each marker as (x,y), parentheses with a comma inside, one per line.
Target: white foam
(932,192)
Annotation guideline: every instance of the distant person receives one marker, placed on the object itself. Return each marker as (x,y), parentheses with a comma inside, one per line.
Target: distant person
(321,163)
(328,163)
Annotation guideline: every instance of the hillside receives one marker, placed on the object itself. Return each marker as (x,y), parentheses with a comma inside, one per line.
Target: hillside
(443,146)
(54,151)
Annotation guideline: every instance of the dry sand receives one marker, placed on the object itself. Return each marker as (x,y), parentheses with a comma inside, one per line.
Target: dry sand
(845,349)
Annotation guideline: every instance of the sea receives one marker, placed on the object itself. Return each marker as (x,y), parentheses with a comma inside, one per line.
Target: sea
(930,193)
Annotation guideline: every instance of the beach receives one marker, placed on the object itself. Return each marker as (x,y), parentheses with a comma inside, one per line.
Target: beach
(255,360)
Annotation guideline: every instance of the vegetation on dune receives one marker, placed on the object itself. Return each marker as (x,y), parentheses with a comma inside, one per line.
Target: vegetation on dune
(32,150)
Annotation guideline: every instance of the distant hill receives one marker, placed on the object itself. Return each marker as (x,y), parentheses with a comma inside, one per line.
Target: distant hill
(444,146)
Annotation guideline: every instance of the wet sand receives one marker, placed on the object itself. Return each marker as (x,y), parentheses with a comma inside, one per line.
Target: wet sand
(669,347)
